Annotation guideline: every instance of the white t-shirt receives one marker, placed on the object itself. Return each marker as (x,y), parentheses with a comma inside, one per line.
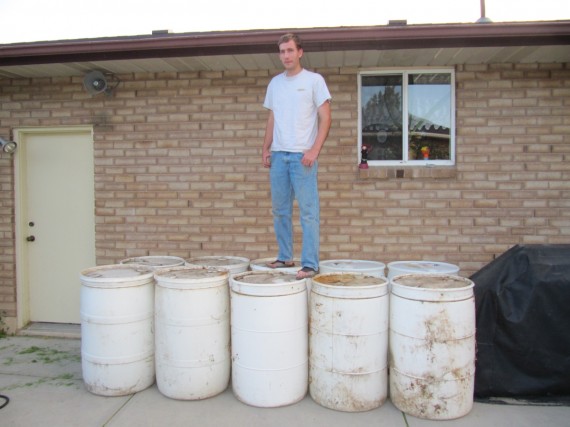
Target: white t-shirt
(295,102)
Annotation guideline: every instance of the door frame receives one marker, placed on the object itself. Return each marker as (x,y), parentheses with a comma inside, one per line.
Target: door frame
(22,260)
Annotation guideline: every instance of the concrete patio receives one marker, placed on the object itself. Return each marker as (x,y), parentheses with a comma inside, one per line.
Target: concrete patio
(42,378)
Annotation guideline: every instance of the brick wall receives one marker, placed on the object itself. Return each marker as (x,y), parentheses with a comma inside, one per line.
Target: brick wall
(178,169)
(7,250)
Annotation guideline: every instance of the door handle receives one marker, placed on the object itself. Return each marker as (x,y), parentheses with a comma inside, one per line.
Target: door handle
(31,238)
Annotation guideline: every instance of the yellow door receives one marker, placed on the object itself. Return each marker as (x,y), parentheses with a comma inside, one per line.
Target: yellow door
(56,221)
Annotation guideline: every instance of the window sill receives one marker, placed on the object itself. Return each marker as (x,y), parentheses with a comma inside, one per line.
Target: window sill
(407,172)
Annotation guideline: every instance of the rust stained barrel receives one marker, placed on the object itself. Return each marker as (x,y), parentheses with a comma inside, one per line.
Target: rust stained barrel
(348,341)
(432,345)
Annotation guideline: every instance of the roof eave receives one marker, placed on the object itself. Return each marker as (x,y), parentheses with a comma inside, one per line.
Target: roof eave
(264,41)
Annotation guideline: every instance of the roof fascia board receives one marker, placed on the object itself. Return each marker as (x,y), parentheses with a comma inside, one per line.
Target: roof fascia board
(265,41)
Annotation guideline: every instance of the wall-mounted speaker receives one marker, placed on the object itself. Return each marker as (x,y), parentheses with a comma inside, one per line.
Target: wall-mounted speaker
(95,82)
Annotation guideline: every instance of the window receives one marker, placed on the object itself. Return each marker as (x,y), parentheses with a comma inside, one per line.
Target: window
(407,117)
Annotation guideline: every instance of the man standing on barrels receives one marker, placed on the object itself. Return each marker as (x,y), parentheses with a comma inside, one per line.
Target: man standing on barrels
(299,120)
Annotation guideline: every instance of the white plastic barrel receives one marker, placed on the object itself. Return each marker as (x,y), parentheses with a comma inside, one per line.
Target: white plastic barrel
(269,338)
(231,263)
(192,323)
(261,265)
(397,268)
(155,261)
(348,341)
(432,345)
(117,339)
(370,268)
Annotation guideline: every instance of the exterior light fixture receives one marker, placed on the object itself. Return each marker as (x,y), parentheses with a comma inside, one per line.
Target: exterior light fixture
(8,146)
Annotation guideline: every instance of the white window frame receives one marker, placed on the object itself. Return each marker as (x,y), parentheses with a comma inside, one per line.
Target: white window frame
(405,73)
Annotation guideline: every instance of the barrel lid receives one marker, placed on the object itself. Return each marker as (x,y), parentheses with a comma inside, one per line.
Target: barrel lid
(189,272)
(116,274)
(261,265)
(217,261)
(432,287)
(269,278)
(423,267)
(348,279)
(155,261)
(191,277)
(435,281)
(353,264)
(349,285)
(375,268)
(267,283)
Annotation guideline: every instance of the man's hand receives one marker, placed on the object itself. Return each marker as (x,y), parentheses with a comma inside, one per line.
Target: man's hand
(309,157)
(266,158)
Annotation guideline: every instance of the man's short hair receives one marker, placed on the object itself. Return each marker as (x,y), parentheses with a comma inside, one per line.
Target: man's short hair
(290,36)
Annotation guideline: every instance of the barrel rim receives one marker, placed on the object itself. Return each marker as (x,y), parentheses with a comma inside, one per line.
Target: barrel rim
(218,279)
(358,291)
(380,264)
(259,264)
(451,267)
(267,289)
(145,275)
(351,273)
(143,260)
(243,259)
(431,277)
(233,264)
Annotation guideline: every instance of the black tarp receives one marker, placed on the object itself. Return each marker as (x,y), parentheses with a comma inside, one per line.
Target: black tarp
(522,301)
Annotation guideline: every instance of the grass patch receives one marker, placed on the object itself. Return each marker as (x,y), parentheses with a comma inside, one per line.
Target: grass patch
(63,380)
(3,333)
(49,355)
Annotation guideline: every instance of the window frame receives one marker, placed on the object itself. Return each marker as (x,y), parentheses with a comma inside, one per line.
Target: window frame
(405,72)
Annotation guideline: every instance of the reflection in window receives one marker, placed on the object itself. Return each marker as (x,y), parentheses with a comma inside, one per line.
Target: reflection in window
(382,117)
(408,116)
(429,116)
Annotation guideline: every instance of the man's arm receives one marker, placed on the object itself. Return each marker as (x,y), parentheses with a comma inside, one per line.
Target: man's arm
(268,140)
(324,115)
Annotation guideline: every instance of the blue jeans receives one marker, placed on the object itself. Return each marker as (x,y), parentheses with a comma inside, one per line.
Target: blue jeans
(290,180)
